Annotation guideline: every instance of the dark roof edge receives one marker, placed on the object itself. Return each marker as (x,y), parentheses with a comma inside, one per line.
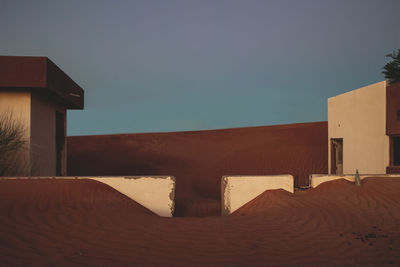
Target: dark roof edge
(63,86)
(40,74)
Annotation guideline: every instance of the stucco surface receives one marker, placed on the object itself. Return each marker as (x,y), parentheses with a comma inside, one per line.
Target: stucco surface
(18,106)
(156,193)
(38,116)
(359,117)
(43,137)
(238,190)
(317,179)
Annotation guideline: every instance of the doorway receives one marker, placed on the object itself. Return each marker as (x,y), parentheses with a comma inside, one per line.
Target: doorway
(60,140)
(337,156)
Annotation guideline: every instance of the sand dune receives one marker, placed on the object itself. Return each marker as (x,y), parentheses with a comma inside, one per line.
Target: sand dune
(83,222)
(199,159)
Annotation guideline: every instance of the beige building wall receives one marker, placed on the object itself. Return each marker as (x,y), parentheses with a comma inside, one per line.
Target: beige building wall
(239,190)
(43,137)
(359,117)
(18,104)
(38,116)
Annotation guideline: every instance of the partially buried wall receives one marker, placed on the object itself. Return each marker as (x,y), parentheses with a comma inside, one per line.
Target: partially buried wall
(239,190)
(317,179)
(156,193)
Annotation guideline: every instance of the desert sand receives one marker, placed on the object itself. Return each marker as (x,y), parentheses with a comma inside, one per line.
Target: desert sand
(83,222)
(199,159)
(67,222)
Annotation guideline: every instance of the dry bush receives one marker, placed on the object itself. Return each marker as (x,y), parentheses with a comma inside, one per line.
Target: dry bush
(12,145)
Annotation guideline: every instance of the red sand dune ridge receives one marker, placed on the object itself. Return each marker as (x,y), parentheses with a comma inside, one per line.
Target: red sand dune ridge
(83,222)
(199,159)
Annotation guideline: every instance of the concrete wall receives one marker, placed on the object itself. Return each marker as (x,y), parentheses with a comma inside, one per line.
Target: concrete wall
(238,190)
(18,104)
(317,179)
(156,193)
(43,137)
(359,118)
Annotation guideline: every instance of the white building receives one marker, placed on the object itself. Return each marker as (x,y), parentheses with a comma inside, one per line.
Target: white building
(364,130)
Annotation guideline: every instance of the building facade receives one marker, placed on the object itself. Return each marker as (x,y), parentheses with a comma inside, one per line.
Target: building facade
(36,93)
(364,130)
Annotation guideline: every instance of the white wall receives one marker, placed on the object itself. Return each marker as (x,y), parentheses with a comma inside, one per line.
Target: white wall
(359,117)
(238,190)
(317,179)
(156,193)
(38,116)
(18,104)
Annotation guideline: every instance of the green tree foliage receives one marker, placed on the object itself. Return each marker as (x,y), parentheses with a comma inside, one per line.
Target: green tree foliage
(392,68)
(12,142)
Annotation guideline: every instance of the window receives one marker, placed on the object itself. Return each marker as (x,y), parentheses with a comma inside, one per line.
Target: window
(398,114)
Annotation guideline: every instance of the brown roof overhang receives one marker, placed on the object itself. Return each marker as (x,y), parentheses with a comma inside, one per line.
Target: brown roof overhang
(41,75)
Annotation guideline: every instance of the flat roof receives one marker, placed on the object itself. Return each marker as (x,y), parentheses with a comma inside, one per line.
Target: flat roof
(41,75)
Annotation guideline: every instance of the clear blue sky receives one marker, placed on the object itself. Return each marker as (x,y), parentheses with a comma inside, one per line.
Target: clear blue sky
(153,66)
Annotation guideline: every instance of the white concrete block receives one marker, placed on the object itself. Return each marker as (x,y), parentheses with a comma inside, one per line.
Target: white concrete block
(317,179)
(156,193)
(238,190)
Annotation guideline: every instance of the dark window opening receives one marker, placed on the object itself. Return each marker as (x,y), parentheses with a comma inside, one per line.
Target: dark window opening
(60,140)
(396,151)
(337,156)
(398,114)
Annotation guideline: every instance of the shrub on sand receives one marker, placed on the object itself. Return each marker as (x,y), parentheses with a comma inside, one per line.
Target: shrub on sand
(12,144)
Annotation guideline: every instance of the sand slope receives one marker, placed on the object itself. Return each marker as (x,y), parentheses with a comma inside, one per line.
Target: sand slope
(83,222)
(199,159)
